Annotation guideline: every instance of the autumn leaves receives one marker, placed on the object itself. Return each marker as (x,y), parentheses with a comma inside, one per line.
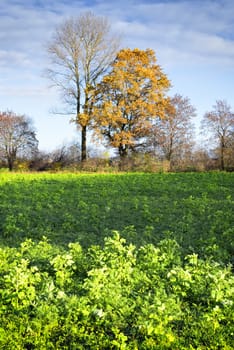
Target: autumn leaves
(129,98)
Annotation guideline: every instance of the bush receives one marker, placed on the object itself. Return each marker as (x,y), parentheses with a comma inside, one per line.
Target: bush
(118,297)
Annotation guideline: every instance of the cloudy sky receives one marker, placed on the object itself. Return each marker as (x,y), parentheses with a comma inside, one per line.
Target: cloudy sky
(193,41)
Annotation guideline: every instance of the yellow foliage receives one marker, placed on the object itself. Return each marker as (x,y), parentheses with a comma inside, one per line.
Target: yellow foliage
(84,119)
(130,97)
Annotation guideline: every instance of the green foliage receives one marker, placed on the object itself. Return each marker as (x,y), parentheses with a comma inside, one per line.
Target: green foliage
(160,279)
(196,209)
(115,297)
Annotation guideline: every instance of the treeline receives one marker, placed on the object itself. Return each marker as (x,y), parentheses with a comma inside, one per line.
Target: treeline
(169,146)
(68,158)
(121,98)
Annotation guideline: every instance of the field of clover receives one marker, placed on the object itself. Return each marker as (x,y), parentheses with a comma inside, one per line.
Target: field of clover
(117,261)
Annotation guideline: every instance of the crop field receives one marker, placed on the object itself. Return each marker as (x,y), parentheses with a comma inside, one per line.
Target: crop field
(195,209)
(117,261)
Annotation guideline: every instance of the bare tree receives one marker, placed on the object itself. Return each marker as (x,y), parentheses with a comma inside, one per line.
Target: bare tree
(220,123)
(63,156)
(17,137)
(81,51)
(66,155)
(172,136)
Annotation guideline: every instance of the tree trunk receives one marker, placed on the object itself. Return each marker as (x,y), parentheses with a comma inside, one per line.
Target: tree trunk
(222,158)
(123,152)
(10,163)
(170,152)
(222,147)
(83,143)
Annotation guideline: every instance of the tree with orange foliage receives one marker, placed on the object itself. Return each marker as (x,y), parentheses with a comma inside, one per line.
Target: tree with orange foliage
(129,98)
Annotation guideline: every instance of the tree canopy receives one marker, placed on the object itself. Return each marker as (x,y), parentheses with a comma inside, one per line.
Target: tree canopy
(220,123)
(129,98)
(172,135)
(16,136)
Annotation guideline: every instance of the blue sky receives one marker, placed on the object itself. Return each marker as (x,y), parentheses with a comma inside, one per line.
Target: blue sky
(193,41)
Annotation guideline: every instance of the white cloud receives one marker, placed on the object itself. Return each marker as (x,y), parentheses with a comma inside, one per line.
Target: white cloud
(200,30)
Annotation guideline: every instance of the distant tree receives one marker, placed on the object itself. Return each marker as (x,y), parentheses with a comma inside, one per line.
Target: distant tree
(40,161)
(128,100)
(172,136)
(66,155)
(220,123)
(81,51)
(17,137)
(63,156)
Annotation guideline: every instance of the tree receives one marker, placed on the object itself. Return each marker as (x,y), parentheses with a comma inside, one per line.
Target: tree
(172,136)
(66,155)
(220,123)
(17,137)
(128,100)
(81,52)
(229,156)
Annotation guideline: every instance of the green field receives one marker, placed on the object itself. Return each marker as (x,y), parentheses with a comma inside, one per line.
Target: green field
(117,261)
(194,208)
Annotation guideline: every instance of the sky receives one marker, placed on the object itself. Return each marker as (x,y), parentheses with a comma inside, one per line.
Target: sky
(193,41)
